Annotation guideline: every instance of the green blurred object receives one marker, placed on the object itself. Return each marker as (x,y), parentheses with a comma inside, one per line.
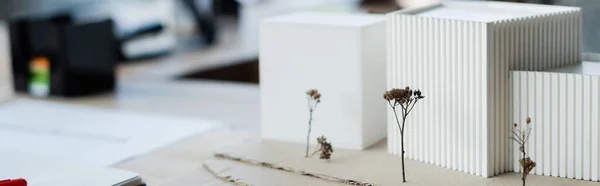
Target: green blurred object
(39,80)
(40,77)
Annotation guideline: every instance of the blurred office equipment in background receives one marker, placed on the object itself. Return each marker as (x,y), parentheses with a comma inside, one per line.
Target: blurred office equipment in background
(215,39)
(143,28)
(56,55)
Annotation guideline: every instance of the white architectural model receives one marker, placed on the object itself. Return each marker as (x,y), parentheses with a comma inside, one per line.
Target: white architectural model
(341,55)
(460,54)
(564,102)
(482,66)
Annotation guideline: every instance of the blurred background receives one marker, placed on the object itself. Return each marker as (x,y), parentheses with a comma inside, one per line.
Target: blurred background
(176,39)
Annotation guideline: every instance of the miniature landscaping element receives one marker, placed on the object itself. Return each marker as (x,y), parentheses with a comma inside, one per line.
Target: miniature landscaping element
(292,170)
(228,179)
(521,137)
(314,98)
(406,99)
(324,147)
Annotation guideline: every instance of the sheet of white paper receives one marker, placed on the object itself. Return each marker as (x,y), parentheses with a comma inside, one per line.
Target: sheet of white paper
(41,171)
(88,135)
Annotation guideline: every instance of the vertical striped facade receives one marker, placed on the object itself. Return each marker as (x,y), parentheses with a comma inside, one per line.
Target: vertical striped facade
(564,110)
(463,69)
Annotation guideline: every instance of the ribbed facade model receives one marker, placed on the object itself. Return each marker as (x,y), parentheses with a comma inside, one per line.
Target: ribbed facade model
(461,54)
(563,104)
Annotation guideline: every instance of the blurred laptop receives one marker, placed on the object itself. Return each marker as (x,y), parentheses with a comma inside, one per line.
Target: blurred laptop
(6,88)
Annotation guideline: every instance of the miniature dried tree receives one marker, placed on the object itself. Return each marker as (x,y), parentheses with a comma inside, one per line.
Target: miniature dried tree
(403,100)
(521,137)
(324,147)
(314,98)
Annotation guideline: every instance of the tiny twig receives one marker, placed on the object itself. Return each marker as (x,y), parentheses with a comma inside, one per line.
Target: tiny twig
(397,121)
(528,133)
(317,149)
(313,99)
(518,137)
(411,108)
(522,137)
(228,179)
(292,170)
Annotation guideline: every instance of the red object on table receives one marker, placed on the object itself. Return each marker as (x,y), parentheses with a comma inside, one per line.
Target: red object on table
(15,182)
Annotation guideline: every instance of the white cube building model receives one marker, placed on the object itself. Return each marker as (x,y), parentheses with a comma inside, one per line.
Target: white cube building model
(563,104)
(460,55)
(341,55)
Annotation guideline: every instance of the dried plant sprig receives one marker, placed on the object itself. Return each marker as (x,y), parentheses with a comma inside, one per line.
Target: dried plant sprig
(405,99)
(324,147)
(228,179)
(314,98)
(292,170)
(527,164)
(522,137)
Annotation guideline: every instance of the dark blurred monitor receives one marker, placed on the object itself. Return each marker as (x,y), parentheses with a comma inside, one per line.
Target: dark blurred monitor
(11,8)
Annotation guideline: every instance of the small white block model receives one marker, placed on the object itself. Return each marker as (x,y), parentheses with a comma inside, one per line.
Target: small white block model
(6,89)
(563,105)
(341,55)
(459,54)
